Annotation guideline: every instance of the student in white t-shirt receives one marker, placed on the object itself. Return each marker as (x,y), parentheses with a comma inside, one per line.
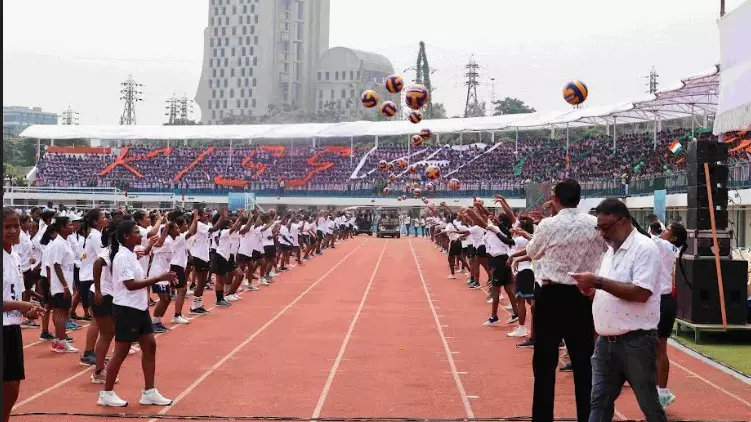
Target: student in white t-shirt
(179,263)
(131,311)
(162,253)
(199,250)
(91,247)
(14,309)
(61,261)
(294,231)
(524,277)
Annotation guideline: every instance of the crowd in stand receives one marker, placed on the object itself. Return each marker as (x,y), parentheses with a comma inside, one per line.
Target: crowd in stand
(509,165)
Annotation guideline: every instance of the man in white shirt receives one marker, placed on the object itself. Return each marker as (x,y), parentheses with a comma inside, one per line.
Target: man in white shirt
(626,311)
(565,243)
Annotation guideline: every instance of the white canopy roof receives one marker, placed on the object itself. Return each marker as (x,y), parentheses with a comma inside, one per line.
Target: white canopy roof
(693,95)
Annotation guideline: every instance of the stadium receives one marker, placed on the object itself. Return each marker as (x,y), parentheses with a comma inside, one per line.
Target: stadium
(611,245)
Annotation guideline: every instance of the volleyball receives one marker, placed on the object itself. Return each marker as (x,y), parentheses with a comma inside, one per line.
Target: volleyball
(433,172)
(416,141)
(390,166)
(412,169)
(454,184)
(443,203)
(416,193)
(394,84)
(425,201)
(415,116)
(387,190)
(382,165)
(417,96)
(399,198)
(388,108)
(426,134)
(369,98)
(575,92)
(429,187)
(392,177)
(402,163)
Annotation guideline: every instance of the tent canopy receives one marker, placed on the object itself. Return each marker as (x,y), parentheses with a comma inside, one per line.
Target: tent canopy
(693,95)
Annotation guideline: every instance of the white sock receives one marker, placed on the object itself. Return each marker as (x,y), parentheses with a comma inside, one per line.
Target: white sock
(156,320)
(663,391)
(197,302)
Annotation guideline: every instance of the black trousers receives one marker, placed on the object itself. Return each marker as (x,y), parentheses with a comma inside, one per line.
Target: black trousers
(562,312)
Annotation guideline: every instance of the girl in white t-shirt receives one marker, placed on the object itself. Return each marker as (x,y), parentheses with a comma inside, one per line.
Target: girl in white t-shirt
(14,309)
(524,277)
(130,306)
(162,252)
(101,302)
(179,263)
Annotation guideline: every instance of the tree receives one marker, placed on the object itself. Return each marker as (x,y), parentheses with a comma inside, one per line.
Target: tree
(511,105)
(477,111)
(439,111)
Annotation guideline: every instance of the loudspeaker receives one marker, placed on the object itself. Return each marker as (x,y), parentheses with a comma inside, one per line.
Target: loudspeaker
(698,295)
(700,243)
(698,218)
(697,196)
(718,175)
(707,152)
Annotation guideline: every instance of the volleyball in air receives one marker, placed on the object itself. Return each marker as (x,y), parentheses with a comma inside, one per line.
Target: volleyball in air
(433,172)
(425,201)
(392,177)
(454,184)
(426,134)
(402,163)
(416,193)
(398,198)
(390,166)
(415,116)
(416,141)
(412,170)
(575,92)
(387,190)
(369,98)
(388,108)
(394,84)
(429,187)
(382,165)
(417,96)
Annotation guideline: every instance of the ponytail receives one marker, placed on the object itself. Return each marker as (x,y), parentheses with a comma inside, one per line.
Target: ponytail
(123,228)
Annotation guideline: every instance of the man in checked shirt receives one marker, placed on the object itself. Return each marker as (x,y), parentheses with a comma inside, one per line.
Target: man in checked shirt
(566,243)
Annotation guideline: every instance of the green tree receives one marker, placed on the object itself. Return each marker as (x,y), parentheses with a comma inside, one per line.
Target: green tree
(511,105)
(439,111)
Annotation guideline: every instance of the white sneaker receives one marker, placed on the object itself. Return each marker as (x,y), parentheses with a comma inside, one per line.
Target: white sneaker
(180,320)
(490,300)
(109,398)
(253,289)
(134,349)
(152,397)
(508,307)
(451,277)
(263,282)
(101,378)
(520,331)
(232,298)
(62,346)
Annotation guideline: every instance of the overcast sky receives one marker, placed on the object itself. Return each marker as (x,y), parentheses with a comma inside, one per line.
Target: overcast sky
(76,52)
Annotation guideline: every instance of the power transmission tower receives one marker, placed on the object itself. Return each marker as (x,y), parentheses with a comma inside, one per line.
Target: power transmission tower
(69,117)
(652,85)
(423,76)
(172,110)
(472,105)
(131,94)
(185,109)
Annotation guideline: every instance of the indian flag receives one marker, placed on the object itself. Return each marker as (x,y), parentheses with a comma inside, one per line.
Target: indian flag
(675,147)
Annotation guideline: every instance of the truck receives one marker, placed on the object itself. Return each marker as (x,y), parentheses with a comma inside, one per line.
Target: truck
(387,222)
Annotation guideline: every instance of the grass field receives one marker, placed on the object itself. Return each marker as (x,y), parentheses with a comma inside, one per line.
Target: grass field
(731,349)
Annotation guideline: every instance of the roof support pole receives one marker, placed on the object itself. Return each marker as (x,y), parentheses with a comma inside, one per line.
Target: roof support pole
(615,134)
(352,148)
(461,138)
(250,141)
(229,159)
(39,148)
(516,142)
(438,139)
(567,146)
(654,135)
(376,141)
(168,155)
(693,122)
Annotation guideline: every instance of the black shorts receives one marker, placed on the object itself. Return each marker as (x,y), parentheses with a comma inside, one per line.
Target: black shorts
(481,252)
(59,301)
(242,258)
(455,248)
(470,251)
(668,310)
(12,354)
(285,248)
(103,309)
(269,251)
(131,323)
(30,278)
(182,279)
(44,282)
(320,234)
(525,284)
(257,256)
(200,265)
(220,265)
(161,288)
(501,273)
(84,288)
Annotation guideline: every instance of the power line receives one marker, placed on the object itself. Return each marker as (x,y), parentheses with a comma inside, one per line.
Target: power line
(131,94)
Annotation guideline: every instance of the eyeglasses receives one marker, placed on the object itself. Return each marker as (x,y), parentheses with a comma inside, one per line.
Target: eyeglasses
(606,227)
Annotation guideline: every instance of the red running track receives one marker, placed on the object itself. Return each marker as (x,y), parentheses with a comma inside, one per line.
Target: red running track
(370,329)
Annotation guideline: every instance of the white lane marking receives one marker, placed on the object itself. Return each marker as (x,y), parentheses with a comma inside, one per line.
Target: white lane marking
(345,342)
(459,385)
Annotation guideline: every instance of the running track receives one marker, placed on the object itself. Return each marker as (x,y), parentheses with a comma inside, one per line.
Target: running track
(370,329)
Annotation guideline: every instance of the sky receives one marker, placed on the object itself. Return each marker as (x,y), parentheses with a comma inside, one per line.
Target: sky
(75,53)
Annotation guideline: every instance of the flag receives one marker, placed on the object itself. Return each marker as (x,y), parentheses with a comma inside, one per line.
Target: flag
(675,147)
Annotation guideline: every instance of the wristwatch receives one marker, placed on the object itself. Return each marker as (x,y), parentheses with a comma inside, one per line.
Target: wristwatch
(598,283)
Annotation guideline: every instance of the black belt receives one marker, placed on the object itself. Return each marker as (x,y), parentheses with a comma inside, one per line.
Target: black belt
(626,336)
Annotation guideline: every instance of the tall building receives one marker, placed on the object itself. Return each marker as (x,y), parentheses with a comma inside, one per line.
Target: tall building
(344,73)
(261,53)
(16,119)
